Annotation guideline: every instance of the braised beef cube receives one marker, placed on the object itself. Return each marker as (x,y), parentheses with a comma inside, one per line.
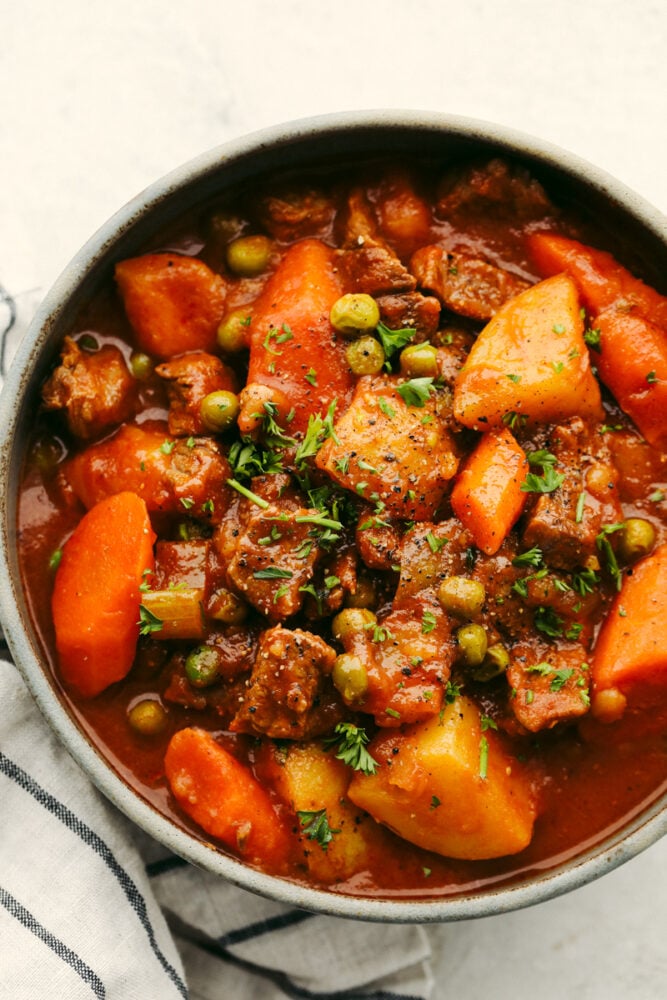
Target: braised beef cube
(374,270)
(495,188)
(272,558)
(411,309)
(335,576)
(407,658)
(467,285)
(197,478)
(286,695)
(361,224)
(295,215)
(378,541)
(429,553)
(549,684)
(565,524)
(396,455)
(189,379)
(94,388)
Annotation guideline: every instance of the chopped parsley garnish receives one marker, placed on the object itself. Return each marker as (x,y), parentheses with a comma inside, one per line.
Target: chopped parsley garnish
(277,336)
(273,573)
(148,622)
(350,741)
(604,545)
(452,692)
(487,722)
(549,481)
(592,338)
(435,802)
(54,560)
(167,447)
(532,557)
(416,391)
(585,581)
(394,340)
(311,376)
(319,429)
(514,420)
(651,378)
(558,329)
(429,622)
(574,631)
(315,825)
(386,408)
(435,544)
(657,496)
(248,494)
(187,502)
(557,366)
(559,678)
(483,757)
(547,621)
(514,378)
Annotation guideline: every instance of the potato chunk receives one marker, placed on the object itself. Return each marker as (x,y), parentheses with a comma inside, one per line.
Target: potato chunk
(449,787)
(387,450)
(530,359)
(309,779)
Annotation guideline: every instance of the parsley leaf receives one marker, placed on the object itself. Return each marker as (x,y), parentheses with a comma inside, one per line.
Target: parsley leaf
(351,741)
(148,622)
(532,557)
(315,825)
(394,340)
(319,429)
(273,573)
(416,391)
(429,622)
(592,338)
(549,481)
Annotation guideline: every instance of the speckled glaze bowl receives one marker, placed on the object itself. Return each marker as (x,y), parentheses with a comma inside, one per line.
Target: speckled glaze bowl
(311,143)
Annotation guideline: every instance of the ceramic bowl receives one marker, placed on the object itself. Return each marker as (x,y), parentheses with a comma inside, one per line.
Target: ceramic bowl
(311,143)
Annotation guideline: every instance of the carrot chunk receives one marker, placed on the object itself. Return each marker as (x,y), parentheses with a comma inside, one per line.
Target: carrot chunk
(293,347)
(96,595)
(601,280)
(633,363)
(487,496)
(530,359)
(630,649)
(175,304)
(223,798)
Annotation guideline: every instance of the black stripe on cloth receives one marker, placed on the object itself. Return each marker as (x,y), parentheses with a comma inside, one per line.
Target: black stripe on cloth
(264,927)
(24,917)
(89,837)
(164,865)
(283,981)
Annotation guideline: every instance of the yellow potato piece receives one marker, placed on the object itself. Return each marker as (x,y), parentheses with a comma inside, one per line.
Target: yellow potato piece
(530,359)
(309,779)
(442,787)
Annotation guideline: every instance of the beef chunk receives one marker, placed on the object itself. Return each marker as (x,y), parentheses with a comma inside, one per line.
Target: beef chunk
(548,684)
(375,270)
(197,478)
(285,696)
(393,454)
(189,379)
(411,309)
(270,554)
(294,215)
(467,285)
(494,188)
(407,657)
(94,388)
(566,534)
(378,541)
(180,564)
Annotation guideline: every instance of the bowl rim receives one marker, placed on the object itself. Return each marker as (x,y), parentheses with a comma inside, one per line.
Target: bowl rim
(617,847)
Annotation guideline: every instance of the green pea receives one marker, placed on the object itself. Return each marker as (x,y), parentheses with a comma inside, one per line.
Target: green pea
(219,410)
(351,620)
(472,643)
(364,596)
(461,596)
(141,365)
(353,313)
(228,608)
(495,663)
(636,539)
(248,256)
(233,331)
(419,361)
(148,717)
(365,356)
(350,678)
(202,666)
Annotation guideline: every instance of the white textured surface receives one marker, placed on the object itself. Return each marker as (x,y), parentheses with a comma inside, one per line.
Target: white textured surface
(97,99)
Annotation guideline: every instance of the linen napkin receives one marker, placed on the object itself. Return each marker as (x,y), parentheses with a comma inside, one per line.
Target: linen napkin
(92,906)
